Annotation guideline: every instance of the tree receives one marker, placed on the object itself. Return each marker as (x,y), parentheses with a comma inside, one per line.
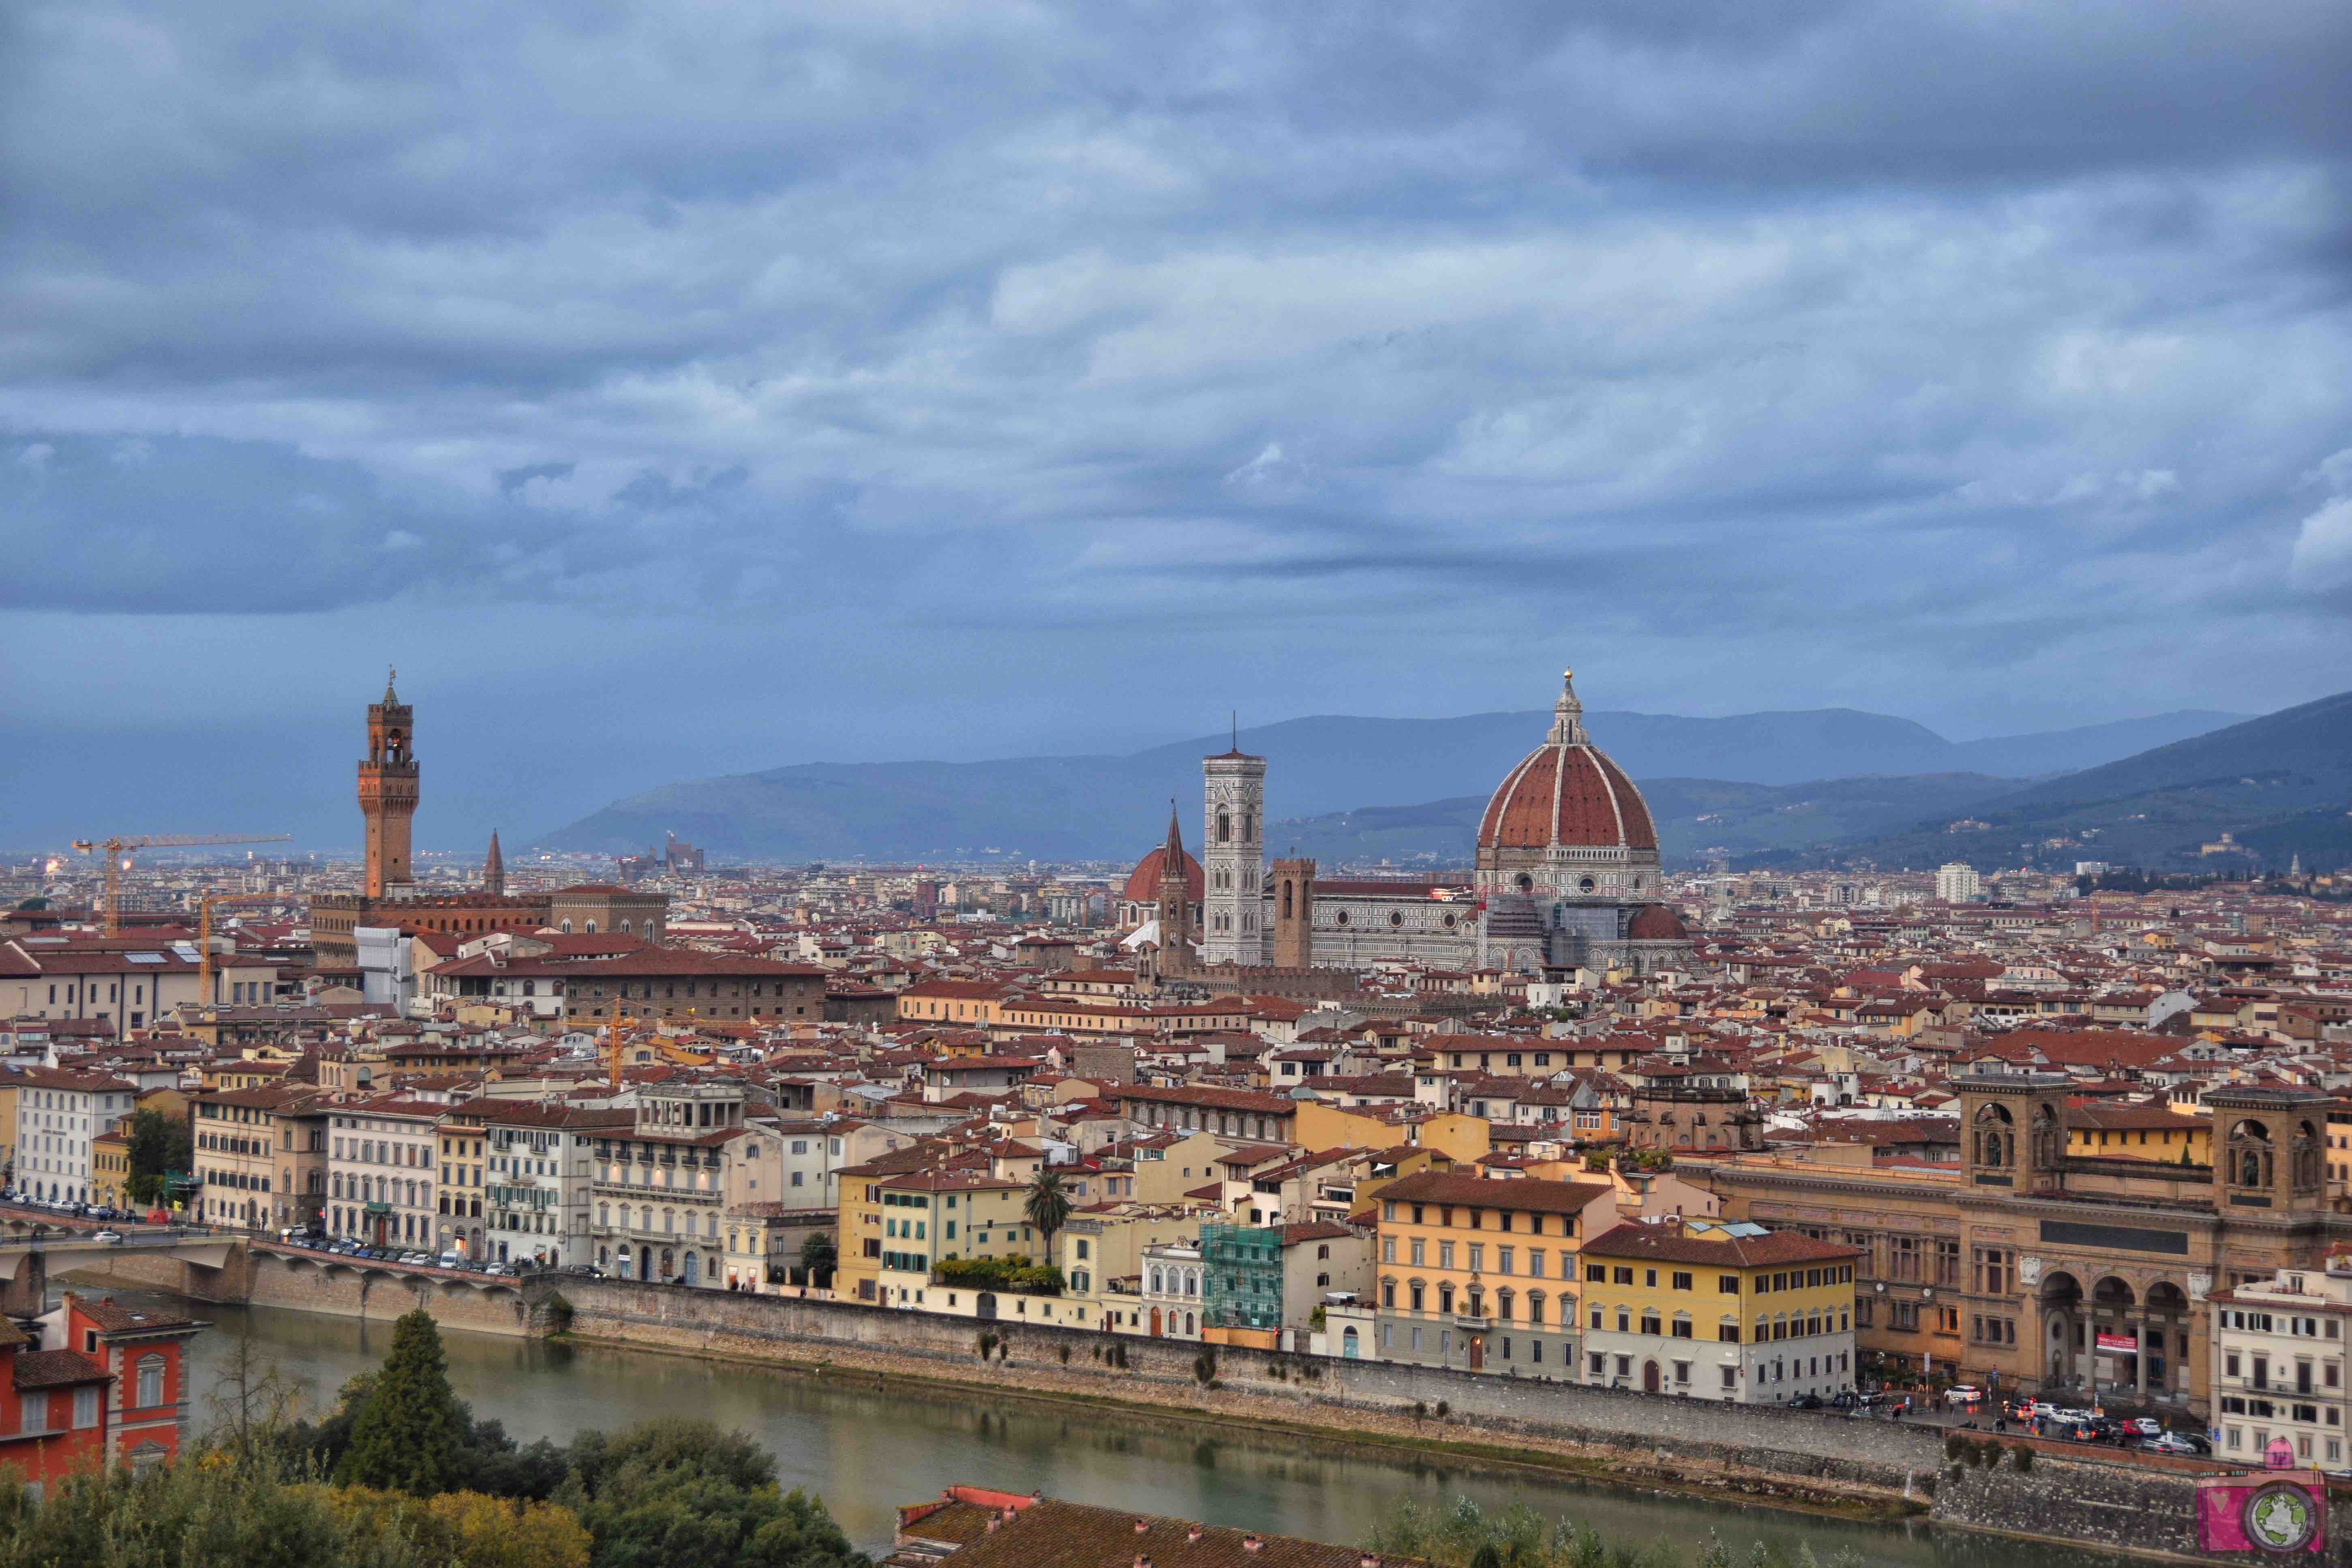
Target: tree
(406,1437)
(680,1493)
(252,1399)
(159,1143)
(819,1255)
(1047,1205)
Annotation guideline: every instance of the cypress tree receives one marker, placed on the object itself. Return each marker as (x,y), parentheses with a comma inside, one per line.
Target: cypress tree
(405,1437)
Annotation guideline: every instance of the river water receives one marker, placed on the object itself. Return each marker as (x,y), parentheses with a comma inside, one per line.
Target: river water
(866,1451)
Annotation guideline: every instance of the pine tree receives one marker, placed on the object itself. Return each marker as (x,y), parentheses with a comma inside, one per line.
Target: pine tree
(406,1436)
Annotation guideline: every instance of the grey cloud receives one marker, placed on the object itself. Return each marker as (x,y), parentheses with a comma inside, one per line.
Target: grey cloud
(1860,330)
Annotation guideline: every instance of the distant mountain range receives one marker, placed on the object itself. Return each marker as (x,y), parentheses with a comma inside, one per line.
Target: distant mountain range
(2280,785)
(1728,777)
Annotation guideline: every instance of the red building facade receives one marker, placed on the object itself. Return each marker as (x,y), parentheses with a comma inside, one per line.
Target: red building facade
(104,1384)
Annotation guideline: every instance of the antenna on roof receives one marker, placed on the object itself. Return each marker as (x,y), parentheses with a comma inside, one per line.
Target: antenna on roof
(1237,728)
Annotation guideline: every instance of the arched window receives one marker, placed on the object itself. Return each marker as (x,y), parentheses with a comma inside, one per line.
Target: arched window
(1225,828)
(1286,898)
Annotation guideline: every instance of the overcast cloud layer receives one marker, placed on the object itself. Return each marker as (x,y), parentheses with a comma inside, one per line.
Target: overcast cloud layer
(735,385)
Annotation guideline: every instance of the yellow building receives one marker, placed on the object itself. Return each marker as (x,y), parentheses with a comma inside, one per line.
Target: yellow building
(110,1166)
(2138,1133)
(1718,1309)
(933,1217)
(1480,1274)
(1101,1254)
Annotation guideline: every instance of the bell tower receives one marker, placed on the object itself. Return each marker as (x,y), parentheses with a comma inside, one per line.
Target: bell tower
(1233,856)
(388,792)
(1293,912)
(1176,934)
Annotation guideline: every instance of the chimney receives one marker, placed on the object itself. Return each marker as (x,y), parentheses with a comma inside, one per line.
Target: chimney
(1367,1561)
(1141,1525)
(992,1524)
(1250,1543)
(1192,1535)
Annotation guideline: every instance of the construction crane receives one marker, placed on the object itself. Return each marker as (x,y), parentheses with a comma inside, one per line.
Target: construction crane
(117,850)
(204,991)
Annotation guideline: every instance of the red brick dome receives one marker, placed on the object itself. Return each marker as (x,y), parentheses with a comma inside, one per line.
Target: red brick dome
(1143,883)
(1567,793)
(1655,922)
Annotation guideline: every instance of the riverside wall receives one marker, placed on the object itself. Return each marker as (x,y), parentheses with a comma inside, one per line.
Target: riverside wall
(1764,1454)
(1844,1457)
(2112,1502)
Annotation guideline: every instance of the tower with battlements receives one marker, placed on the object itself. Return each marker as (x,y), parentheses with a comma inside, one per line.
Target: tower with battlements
(388,792)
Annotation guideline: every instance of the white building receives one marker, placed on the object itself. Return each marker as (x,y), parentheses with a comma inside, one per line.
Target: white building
(1172,1290)
(2278,1364)
(380,1171)
(536,1169)
(660,1185)
(58,1111)
(387,974)
(1956,883)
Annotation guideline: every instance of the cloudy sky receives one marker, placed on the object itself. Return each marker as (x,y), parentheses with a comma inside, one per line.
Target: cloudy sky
(692,387)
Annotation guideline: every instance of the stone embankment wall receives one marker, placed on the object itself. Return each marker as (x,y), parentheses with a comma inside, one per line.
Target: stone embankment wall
(303,1282)
(2111,1502)
(1845,1455)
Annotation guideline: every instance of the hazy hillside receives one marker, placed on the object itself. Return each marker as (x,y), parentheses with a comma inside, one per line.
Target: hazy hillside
(2281,784)
(1696,818)
(1113,807)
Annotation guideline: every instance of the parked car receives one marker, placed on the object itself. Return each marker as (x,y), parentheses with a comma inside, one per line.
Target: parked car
(2144,1426)
(111,1238)
(449,1260)
(1964,1393)
(1806,1402)
(2169,1443)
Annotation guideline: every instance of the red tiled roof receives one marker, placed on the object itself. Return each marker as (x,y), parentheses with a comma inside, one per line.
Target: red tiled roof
(1570,795)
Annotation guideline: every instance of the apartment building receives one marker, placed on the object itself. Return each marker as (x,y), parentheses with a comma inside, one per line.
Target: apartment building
(261,1155)
(2277,1377)
(1716,1310)
(929,1217)
(660,1184)
(518,1179)
(382,1158)
(1480,1274)
(59,1115)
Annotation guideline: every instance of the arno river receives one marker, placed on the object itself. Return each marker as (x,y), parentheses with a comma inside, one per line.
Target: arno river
(865,1451)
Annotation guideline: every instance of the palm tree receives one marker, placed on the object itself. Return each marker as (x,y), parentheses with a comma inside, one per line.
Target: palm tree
(1047,1207)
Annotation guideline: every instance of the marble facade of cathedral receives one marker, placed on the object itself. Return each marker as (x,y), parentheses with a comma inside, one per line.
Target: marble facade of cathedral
(1565,875)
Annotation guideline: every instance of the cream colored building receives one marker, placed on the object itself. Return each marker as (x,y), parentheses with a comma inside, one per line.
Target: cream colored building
(2278,1374)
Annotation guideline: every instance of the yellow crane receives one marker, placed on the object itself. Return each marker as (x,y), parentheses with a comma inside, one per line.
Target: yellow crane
(119,849)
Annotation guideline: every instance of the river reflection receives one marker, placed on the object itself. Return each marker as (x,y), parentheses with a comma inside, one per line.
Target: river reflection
(867,1449)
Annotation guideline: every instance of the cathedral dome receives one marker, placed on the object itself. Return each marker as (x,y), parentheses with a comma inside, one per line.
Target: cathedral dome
(1143,883)
(1567,793)
(1655,922)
